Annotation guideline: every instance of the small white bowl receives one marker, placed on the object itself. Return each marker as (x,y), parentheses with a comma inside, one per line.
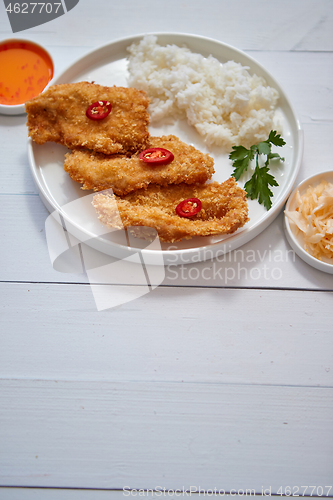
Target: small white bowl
(296,241)
(19,109)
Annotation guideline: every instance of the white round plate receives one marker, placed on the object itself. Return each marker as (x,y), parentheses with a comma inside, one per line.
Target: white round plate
(294,237)
(107,65)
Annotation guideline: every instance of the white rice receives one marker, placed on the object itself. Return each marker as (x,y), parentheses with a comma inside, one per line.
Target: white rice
(225,104)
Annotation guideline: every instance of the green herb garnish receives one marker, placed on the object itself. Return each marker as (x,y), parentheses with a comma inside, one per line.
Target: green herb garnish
(258,186)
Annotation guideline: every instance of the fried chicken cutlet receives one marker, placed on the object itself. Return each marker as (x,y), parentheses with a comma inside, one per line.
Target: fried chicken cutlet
(224,209)
(125,174)
(59,115)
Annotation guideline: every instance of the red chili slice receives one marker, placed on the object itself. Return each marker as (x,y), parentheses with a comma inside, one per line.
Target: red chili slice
(189,207)
(99,110)
(156,156)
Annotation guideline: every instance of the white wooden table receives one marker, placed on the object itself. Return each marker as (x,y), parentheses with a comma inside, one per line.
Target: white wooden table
(204,382)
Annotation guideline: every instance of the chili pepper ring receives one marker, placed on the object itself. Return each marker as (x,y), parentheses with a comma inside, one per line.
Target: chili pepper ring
(156,156)
(188,207)
(99,110)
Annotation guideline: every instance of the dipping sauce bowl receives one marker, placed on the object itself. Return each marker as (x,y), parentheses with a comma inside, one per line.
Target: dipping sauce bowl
(26,68)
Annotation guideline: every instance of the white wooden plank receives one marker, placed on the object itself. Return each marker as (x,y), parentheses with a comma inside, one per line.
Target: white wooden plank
(56,493)
(296,25)
(149,435)
(193,335)
(267,261)
(23,493)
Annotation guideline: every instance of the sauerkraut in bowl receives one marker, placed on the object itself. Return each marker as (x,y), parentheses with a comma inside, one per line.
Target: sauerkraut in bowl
(309,220)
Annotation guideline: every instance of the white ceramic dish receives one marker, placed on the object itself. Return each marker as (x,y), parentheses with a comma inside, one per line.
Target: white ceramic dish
(19,109)
(107,65)
(294,237)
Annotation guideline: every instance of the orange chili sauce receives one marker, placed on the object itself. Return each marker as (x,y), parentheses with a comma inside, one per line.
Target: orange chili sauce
(25,70)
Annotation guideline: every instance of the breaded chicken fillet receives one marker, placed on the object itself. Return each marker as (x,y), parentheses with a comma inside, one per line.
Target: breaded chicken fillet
(125,174)
(59,115)
(224,209)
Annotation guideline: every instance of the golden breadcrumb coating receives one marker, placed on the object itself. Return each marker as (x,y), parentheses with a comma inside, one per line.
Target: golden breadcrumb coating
(125,174)
(59,115)
(224,209)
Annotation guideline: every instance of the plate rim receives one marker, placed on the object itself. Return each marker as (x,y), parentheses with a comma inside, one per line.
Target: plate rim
(205,252)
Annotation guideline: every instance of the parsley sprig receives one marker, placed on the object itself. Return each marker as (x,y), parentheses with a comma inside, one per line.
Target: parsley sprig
(258,186)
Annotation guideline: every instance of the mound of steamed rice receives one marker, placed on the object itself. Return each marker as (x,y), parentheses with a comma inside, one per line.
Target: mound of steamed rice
(225,104)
